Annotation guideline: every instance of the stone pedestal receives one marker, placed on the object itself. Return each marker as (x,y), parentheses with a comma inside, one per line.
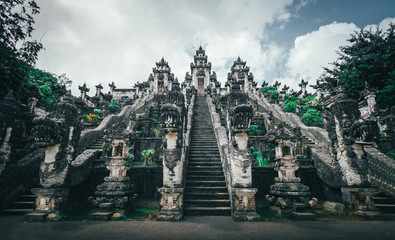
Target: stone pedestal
(289,194)
(114,195)
(360,201)
(243,200)
(48,200)
(172,204)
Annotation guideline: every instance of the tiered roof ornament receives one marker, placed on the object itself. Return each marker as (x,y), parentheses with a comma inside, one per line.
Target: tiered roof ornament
(241,73)
(200,71)
(200,59)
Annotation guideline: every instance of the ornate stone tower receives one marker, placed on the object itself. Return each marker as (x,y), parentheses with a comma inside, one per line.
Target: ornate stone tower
(162,78)
(201,71)
(241,73)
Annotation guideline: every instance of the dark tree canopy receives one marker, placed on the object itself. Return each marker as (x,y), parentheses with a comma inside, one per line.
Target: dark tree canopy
(369,61)
(17,55)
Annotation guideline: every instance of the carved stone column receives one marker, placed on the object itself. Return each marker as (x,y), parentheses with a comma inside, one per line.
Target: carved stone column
(240,114)
(172,125)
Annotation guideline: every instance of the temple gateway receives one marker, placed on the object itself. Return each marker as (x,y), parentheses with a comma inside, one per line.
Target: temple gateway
(194,147)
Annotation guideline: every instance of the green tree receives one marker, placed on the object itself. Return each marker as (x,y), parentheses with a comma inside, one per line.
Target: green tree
(369,59)
(17,55)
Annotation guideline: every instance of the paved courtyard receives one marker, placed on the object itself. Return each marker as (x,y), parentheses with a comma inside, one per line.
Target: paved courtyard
(13,227)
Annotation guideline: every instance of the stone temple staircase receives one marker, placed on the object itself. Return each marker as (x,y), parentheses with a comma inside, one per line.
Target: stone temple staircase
(23,204)
(205,190)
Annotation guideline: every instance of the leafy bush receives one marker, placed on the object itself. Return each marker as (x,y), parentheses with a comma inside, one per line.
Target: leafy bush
(254,129)
(268,89)
(90,117)
(257,155)
(271,90)
(147,155)
(311,117)
(290,103)
(114,106)
(290,106)
(96,110)
(274,94)
(391,154)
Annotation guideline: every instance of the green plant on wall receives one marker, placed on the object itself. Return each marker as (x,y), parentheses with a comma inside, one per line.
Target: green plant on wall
(257,155)
(254,129)
(114,106)
(290,103)
(147,156)
(157,131)
(312,117)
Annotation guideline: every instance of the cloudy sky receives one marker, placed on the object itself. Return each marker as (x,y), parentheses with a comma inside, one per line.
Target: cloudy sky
(100,41)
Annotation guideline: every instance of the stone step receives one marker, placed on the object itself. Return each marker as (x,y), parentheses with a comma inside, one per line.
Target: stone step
(207,189)
(204,152)
(203,163)
(386,208)
(208,168)
(382,200)
(22,205)
(16,211)
(201,183)
(207,173)
(225,211)
(203,155)
(203,147)
(205,160)
(206,195)
(205,178)
(207,202)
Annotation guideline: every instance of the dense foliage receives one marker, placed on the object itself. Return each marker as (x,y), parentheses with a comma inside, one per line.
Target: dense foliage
(290,103)
(312,117)
(271,90)
(17,55)
(369,61)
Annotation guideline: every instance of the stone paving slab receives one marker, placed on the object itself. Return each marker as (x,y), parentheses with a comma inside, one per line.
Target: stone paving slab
(207,227)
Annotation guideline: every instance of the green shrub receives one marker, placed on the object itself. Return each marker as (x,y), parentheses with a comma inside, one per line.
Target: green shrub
(257,155)
(312,117)
(268,89)
(114,106)
(391,154)
(147,155)
(274,94)
(96,110)
(290,106)
(254,129)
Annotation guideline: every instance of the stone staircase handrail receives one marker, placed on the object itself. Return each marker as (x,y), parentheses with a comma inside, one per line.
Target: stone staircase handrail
(316,134)
(381,169)
(90,135)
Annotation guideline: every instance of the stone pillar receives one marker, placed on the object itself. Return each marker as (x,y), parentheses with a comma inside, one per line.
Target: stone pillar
(371,101)
(173,163)
(240,113)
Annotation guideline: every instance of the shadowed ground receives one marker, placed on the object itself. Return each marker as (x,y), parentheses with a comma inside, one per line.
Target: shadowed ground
(208,227)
